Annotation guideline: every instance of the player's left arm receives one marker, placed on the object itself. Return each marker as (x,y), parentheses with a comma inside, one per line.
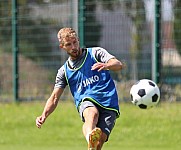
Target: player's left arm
(105,61)
(112,64)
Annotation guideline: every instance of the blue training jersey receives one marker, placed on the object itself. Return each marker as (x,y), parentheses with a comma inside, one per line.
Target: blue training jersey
(85,83)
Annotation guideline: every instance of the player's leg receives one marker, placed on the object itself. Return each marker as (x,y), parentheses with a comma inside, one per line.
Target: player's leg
(104,126)
(98,124)
(106,123)
(90,115)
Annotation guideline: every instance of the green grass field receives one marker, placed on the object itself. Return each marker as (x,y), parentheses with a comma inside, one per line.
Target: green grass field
(156,129)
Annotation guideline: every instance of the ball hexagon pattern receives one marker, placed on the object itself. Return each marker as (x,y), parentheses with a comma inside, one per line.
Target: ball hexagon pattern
(145,94)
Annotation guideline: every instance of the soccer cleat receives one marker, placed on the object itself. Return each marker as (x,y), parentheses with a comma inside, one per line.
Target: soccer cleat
(94,138)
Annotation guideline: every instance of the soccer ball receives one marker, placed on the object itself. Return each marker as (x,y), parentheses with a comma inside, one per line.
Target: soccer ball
(145,94)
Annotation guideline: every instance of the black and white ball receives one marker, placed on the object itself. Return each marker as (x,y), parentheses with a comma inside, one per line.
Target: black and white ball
(145,94)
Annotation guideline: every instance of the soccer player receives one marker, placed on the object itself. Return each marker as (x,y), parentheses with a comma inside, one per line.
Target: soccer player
(86,72)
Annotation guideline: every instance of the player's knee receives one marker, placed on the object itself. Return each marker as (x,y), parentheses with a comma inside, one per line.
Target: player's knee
(91,113)
(94,114)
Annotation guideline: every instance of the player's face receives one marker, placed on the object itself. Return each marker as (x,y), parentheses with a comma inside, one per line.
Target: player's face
(71,46)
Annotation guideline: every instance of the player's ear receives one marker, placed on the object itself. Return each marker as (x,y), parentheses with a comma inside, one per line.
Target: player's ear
(61,45)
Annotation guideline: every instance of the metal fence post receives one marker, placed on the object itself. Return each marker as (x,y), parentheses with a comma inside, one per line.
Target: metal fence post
(156,57)
(15,51)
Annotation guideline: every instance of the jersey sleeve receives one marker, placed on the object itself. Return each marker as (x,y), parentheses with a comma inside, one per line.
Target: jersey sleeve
(101,54)
(60,81)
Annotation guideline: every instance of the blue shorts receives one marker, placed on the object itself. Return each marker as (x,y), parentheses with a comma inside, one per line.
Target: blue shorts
(106,120)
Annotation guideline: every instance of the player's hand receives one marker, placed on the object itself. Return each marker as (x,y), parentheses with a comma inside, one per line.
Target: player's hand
(39,121)
(99,66)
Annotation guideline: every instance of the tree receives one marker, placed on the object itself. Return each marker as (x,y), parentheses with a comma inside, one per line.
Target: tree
(177,22)
(92,28)
(133,10)
(5,24)
(33,34)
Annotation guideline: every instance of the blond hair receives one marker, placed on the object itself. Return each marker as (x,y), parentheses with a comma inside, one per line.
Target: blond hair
(66,33)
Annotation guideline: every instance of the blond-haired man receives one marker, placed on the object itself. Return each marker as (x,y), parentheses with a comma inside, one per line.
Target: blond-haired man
(87,73)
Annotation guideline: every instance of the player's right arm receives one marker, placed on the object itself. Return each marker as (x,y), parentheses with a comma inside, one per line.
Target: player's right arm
(50,106)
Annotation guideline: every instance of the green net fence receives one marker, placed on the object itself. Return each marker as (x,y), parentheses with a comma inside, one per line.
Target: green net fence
(123,27)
